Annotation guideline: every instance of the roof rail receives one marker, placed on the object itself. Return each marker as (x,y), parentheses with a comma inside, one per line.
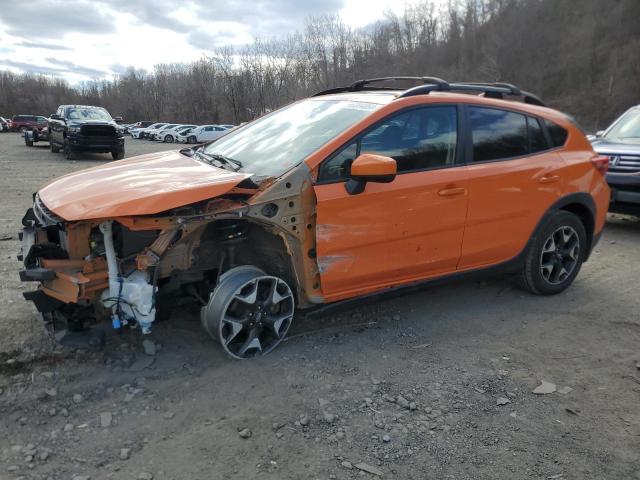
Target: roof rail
(361,85)
(435,84)
(491,90)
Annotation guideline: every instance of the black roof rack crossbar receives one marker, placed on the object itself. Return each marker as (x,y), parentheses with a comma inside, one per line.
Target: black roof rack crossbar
(361,85)
(491,90)
(435,84)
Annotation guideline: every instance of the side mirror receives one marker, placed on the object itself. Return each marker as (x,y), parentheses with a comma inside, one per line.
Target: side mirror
(55,116)
(370,167)
(599,133)
(188,152)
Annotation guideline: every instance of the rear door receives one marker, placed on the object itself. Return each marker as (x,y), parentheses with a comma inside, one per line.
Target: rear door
(398,232)
(514,177)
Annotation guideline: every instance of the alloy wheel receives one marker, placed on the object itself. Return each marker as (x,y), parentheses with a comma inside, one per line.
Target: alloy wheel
(249,313)
(560,255)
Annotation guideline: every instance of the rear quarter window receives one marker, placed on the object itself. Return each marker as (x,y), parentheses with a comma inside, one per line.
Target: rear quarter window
(557,134)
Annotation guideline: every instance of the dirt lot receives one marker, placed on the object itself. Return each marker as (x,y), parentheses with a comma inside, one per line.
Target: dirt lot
(433,384)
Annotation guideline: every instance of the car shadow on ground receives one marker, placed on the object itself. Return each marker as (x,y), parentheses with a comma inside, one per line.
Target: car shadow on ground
(622,224)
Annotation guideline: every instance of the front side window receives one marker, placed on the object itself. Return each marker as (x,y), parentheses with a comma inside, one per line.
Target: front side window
(417,139)
(275,143)
(497,134)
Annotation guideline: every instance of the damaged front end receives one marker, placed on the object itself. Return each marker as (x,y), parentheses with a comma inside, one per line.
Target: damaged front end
(131,270)
(87,272)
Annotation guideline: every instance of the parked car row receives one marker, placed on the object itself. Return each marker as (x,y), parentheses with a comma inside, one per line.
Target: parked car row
(22,123)
(176,132)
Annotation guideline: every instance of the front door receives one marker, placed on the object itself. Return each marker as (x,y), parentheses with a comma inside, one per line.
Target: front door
(398,232)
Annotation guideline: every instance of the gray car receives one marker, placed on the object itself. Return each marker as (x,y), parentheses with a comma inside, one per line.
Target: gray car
(621,143)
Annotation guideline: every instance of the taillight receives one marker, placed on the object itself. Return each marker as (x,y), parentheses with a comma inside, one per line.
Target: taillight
(601,163)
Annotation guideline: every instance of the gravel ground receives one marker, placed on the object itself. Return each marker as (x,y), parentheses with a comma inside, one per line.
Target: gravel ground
(432,384)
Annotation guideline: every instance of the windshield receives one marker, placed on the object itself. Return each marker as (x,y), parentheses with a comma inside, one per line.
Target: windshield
(275,143)
(627,128)
(88,114)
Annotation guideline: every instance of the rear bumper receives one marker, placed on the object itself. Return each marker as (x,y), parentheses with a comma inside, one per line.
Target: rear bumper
(95,144)
(40,135)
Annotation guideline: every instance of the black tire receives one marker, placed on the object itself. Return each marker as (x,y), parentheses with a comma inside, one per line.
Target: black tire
(191,139)
(168,139)
(555,255)
(54,148)
(249,312)
(68,153)
(117,154)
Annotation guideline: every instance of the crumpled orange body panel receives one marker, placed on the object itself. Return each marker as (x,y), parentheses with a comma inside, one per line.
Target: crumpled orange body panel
(142,185)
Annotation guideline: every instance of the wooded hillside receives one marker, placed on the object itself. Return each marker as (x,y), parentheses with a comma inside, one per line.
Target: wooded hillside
(580,56)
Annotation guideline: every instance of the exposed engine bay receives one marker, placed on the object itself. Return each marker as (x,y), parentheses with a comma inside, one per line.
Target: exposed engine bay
(131,270)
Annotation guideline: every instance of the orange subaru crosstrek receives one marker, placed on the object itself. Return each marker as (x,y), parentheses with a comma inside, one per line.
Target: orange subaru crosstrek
(354,191)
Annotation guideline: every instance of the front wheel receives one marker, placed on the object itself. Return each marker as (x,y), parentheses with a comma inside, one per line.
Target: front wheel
(168,139)
(555,255)
(117,154)
(249,312)
(191,139)
(68,153)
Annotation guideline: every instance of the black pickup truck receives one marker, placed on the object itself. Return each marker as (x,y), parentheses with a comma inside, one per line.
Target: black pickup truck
(82,128)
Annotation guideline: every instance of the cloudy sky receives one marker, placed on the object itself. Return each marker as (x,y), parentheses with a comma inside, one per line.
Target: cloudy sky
(86,39)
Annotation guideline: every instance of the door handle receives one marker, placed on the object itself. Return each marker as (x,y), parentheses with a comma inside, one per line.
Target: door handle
(450,192)
(549,179)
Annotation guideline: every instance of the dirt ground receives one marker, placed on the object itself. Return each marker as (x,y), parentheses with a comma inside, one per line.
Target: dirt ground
(435,384)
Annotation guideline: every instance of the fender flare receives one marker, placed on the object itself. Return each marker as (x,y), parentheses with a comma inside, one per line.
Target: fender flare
(569,203)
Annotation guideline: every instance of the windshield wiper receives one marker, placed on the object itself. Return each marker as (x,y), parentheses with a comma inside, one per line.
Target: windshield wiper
(211,157)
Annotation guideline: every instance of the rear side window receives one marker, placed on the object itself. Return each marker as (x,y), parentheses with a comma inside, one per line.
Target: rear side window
(557,134)
(497,134)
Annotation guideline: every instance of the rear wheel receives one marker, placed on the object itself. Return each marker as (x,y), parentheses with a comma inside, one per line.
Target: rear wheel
(555,255)
(168,138)
(249,312)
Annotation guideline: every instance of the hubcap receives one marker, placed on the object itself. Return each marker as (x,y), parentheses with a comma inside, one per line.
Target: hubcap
(560,255)
(257,317)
